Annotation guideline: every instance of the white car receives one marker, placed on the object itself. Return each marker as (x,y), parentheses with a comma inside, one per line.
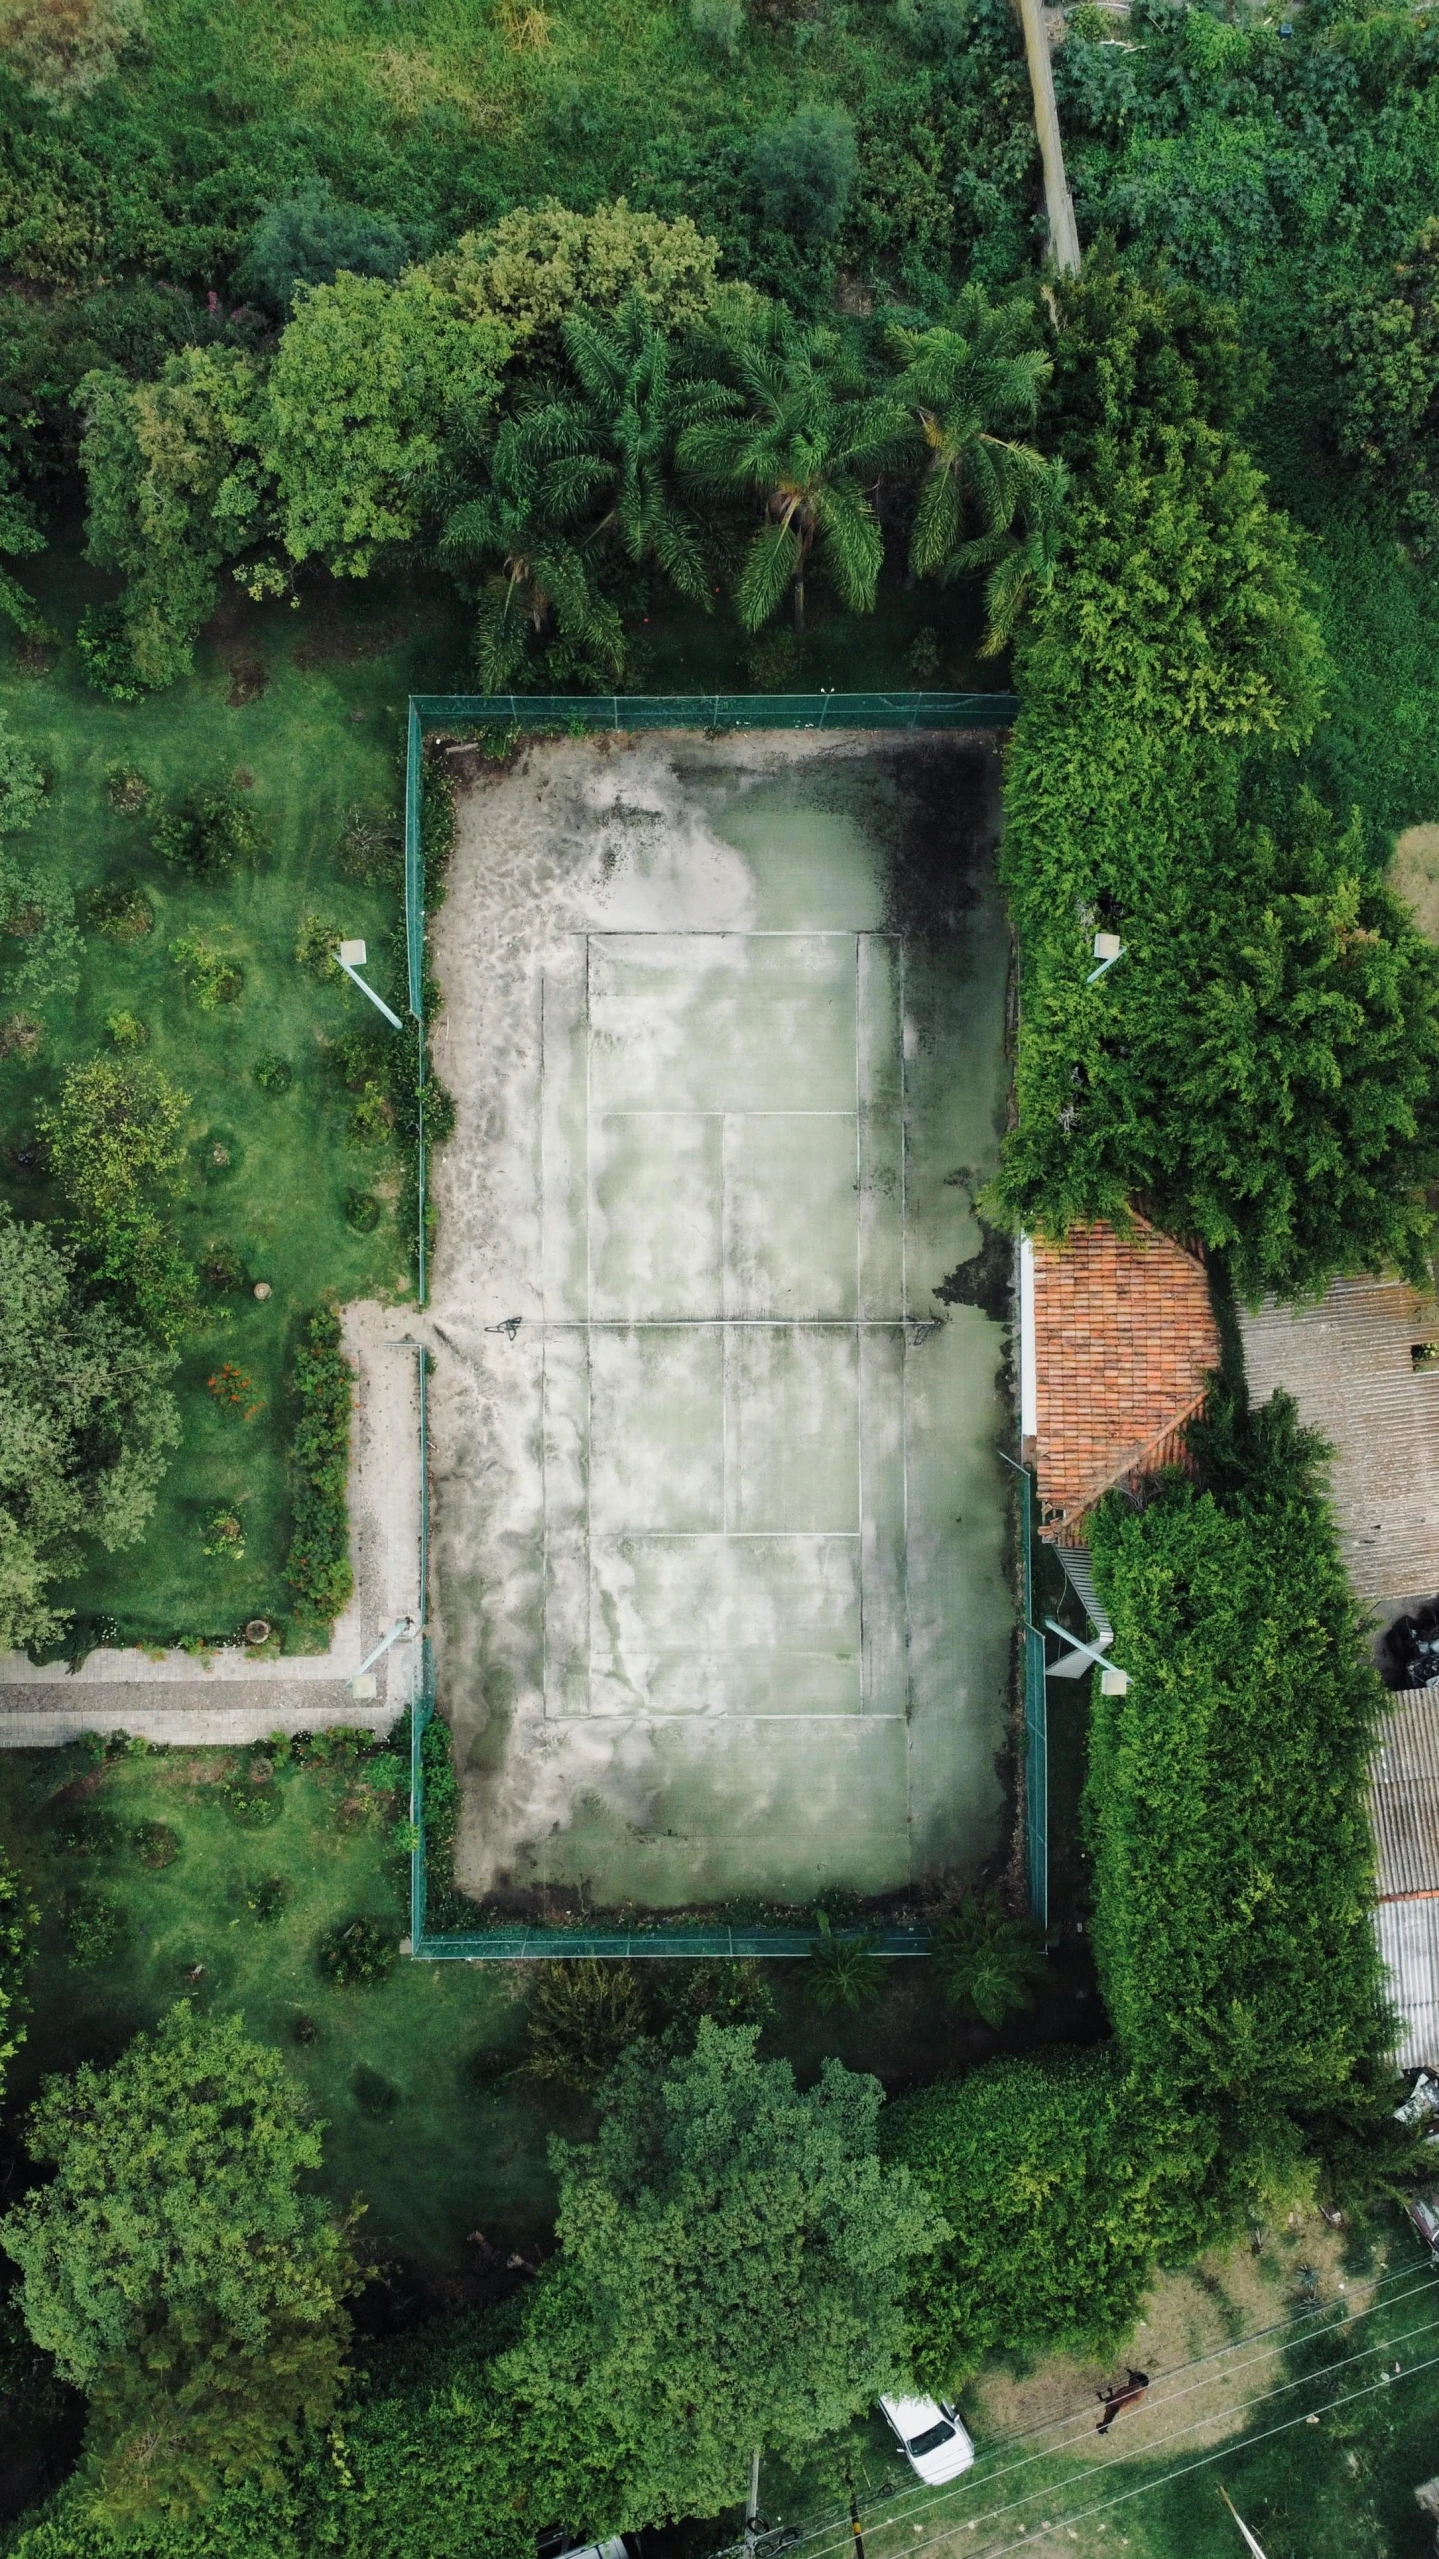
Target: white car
(931,2437)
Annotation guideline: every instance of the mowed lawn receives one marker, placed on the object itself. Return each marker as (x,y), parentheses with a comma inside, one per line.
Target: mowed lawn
(413,2075)
(307,708)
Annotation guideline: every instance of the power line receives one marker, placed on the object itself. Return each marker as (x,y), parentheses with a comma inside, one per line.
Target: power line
(1185,2469)
(1144,2451)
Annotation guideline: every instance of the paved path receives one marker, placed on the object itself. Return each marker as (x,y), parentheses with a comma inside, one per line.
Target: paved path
(185,1713)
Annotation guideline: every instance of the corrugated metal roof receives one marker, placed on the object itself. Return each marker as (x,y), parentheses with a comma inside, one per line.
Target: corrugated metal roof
(1404,1793)
(1408,1933)
(1348,1363)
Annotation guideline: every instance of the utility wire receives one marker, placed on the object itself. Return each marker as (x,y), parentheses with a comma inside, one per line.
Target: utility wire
(1145,2451)
(1182,2470)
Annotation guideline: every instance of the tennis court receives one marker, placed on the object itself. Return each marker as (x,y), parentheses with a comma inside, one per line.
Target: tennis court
(720,1519)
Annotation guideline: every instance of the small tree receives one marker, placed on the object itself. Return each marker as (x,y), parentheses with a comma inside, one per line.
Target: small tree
(113,1134)
(174,2267)
(84,1426)
(800,432)
(308,241)
(733,2259)
(804,172)
(62,49)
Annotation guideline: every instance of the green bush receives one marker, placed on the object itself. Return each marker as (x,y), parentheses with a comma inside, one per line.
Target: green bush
(579,2018)
(357,1951)
(210,831)
(120,910)
(126,1030)
(96,1926)
(1064,2181)
(318,1570)
(265,1897)
(1227,1797)
(804,172)
(127,789)
(155,1843)
(273,1073)
(106,655)
(214,978)
(363,1211)
(252,1797)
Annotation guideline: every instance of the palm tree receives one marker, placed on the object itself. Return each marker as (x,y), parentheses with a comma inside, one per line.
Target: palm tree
(964,384)
(986,1961)
(796,431)
(637,401)
(520,529)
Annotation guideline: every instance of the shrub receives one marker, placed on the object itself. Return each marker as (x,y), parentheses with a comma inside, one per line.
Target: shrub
(265,1897)
(21,1035)
(96,1926)
(579,2018)
(83,1830)
(986,1961)
(209,832)
(224,1534)
(273,1073)
(155,1843)
(804,172)
(357,1950)
(372,1118)
(63,53)
(113,1131)
(1226,1804)
(718,24)
(843,1972)
(375,2095)
(106,654)
(362,1211)
(252,1797)
(309,239)
(732,1993)
(220,1154)
(1063,2182)
(126,1030)
(316,944)
(318,1570)
(127,789)
(214,979)
(120,910)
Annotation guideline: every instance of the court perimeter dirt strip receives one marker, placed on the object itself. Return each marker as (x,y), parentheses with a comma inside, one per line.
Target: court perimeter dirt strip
(719,1522)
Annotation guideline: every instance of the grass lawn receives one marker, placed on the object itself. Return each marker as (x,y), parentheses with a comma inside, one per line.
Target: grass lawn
(411,2074)
(318,730)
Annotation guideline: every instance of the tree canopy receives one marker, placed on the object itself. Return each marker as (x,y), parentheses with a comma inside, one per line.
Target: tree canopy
(732,2272)
(85,1422)
(176,2269)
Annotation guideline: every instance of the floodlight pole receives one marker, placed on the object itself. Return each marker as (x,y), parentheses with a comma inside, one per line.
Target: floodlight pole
(1105,956)
(1091,1652)
(348,956)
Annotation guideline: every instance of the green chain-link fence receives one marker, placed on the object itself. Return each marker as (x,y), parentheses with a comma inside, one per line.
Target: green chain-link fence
(579,715)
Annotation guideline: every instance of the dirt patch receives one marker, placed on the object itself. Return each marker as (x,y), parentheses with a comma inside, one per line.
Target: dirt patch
(1414,876)
(333,642)
(249,678)
(1202,2343)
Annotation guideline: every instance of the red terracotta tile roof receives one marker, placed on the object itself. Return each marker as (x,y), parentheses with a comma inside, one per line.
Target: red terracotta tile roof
(1124,1339)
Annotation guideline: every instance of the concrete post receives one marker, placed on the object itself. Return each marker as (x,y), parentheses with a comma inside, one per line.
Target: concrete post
(1058,202)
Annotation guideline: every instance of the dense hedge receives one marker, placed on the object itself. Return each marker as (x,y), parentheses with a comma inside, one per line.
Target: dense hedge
(1226,1804)
(319,1571)
(1261,1067)
(1063,2182)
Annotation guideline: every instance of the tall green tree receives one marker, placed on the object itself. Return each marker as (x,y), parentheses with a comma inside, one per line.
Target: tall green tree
(176,491)
(985,500)
(84,1426)
(516,525)
(733,2259)
(637,398)
(175,2267)
(800,431)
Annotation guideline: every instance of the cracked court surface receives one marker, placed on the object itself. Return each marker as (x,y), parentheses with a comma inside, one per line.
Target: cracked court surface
(719,1527)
